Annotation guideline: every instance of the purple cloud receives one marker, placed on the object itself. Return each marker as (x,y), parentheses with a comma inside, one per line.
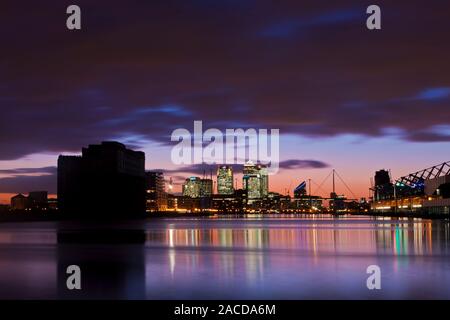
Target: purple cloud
(130,73)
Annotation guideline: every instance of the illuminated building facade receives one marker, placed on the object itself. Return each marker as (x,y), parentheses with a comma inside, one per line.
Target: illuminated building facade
(235,203)
(206,188)
(156,192)
(422,192)
(308,202)
(255,180)
(225,180)
(191,187)
(194,187)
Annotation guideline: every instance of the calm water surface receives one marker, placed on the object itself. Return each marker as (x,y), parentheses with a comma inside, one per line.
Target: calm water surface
(276,257)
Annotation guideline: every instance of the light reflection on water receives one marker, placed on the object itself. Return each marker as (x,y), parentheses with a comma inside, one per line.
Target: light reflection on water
(254,258)
(398,237)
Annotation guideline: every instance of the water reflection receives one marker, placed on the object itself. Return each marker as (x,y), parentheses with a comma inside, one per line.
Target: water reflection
(253,258)
(398,237)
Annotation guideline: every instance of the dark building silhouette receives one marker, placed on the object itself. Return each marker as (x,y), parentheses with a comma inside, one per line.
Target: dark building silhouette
(300,190)
(382,177)
(19,202)
(108,180)
(384,188)
(38,200)
(69,184)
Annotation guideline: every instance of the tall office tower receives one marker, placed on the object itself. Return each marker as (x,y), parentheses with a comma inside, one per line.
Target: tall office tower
(252,184)
(225,180)
(206,188)
(191,187)
(255,180)
(107,180)
(264,180)
(250,168)
(156,191)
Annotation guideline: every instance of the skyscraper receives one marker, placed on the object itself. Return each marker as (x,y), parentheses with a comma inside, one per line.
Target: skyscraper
(225,180)
(191,187)
(264,180)
(206,188)
(255,180)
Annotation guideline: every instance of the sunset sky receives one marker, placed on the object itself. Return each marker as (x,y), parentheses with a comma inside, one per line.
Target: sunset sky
(342,96)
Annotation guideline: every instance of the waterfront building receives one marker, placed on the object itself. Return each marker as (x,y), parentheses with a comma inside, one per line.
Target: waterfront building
(235,203)
(4,208)
(19,202)
(38,200)
(107,180)
(384,188)
(337,202)
(306,203)
(156,195)
(423,192)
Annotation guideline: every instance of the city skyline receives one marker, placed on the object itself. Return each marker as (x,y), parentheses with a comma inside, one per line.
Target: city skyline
(44,178)
(379,101)
(224,158)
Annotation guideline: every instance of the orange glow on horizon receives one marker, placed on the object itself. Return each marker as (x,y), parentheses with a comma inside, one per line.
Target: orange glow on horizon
(5,198)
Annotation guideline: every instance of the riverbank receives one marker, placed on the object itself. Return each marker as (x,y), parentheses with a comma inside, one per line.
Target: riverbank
(57,217)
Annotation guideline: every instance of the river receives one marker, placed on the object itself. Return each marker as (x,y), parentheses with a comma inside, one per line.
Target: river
(225,257)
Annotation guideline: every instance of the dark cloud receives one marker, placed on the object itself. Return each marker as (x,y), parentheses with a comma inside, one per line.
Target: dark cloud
(25,184)
(24,180)
(28,171)
(200,169)
(302,164)
(144,68)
